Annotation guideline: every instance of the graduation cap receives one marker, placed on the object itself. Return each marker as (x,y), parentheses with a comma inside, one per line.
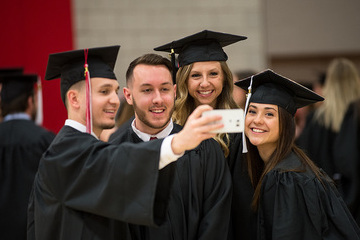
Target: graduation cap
(200,47)
(15,84)
(75,66)
(269,87)
(69,66)
(11,71)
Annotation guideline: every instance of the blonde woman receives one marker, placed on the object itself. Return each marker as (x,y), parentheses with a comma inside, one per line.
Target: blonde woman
(342,86)
(203,76)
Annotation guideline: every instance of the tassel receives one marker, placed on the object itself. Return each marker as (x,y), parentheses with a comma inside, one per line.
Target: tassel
(245,150)
(39,113)
(88,94)
(172,54)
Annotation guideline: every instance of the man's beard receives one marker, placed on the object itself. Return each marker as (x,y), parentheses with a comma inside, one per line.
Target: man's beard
(142,117)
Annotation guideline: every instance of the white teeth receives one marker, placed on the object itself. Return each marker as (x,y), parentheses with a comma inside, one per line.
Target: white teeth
(258,130)
(205,92)
(157,111)
(110,111)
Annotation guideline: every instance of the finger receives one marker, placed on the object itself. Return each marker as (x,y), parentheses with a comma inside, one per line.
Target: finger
(199,110)
(209,128)
(205,136)
(204,120)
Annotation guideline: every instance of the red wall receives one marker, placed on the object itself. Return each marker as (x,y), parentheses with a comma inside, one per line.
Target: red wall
(29,31)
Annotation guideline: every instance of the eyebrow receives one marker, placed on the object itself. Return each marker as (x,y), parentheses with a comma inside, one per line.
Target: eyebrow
(107,85)
(213,69)
(266,108)
(148,84)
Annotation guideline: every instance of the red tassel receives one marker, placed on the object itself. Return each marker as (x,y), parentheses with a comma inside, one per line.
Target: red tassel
(88,94)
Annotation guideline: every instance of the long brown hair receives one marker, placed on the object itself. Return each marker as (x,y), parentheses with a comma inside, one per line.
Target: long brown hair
(285,145)
(185,104)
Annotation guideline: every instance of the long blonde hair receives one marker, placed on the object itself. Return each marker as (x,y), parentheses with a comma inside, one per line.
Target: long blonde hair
(342,86)
(185,104)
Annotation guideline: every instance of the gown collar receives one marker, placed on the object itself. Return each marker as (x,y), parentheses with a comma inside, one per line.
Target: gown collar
(16,116)
(146,137)
(78,126)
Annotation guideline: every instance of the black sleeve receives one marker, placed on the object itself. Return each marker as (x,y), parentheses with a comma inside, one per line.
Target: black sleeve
(114,181)
(347,159)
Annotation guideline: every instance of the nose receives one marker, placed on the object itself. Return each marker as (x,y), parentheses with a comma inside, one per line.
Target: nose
(204,82)
(157,97)
(114,99)
(258,119)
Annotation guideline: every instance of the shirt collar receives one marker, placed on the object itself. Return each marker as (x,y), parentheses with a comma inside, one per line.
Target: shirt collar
(146,137)
(78,126)
(14,116)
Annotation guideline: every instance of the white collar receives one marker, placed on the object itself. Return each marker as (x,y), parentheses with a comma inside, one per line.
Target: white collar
(78,126)
(14,116)
(146,137)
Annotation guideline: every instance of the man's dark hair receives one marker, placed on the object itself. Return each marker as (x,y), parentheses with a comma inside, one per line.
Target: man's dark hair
(19,104)
(147,59)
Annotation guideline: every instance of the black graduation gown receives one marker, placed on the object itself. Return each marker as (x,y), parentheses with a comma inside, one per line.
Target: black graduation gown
(22,143)
(318,142)
(347,159)
(87,189)
(122,128)
(200,197)
(243,218)
(296,205)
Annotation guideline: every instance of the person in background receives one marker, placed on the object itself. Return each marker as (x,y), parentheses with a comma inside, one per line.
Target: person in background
(318,86)
(6,72)
(86,188)
(22,143)
(204,77)
(200,197)
(319,137)
(293,198)
(239,94)
(302,113)
(347,158)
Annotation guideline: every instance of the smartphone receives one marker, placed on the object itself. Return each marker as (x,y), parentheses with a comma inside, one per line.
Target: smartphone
(233,120)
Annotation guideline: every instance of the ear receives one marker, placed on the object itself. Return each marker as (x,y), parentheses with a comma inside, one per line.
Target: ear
(31,105)
(128,95)
(73,97)
(30,101)
(175,90)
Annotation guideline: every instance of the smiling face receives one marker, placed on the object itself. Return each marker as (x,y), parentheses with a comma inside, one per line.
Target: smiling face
(262,126)
(152,94)
(105,103)
(205,82)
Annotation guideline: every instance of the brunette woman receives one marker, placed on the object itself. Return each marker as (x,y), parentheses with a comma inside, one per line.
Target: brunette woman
(293,198)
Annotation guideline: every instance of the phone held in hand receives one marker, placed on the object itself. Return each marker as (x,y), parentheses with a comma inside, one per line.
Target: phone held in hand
(233,120)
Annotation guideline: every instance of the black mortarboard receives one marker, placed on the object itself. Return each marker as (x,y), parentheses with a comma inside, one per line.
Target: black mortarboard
(14,85)
(11,71)
(271,88)
(69,66)
(200,47)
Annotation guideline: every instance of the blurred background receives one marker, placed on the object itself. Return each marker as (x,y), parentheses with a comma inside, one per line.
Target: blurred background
(295,38)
